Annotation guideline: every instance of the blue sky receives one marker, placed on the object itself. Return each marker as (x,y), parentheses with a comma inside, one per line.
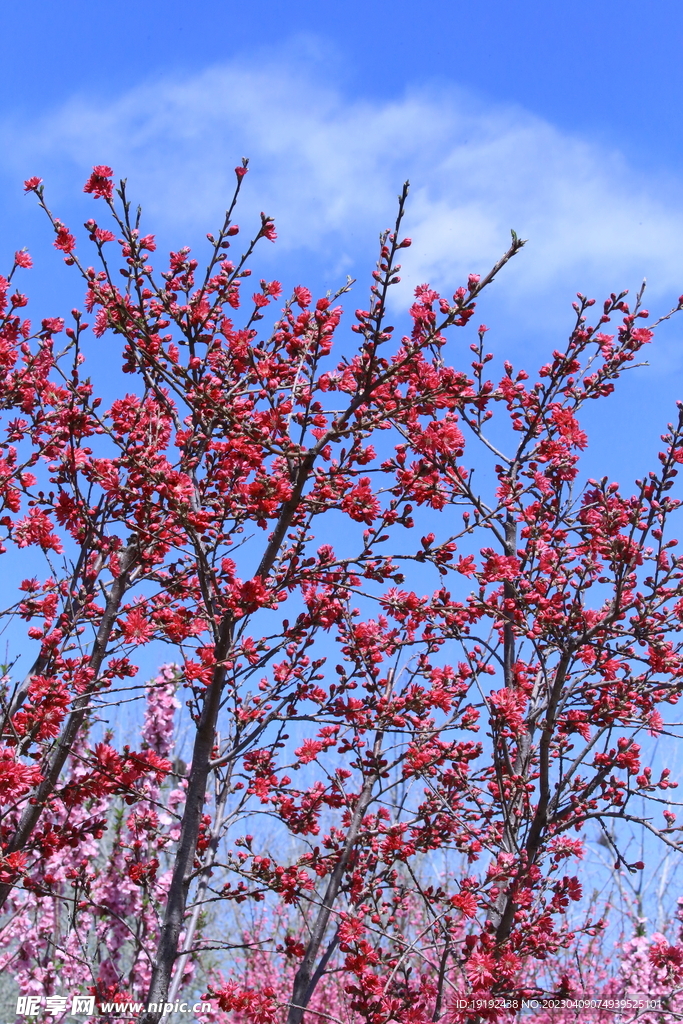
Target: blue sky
(562,120)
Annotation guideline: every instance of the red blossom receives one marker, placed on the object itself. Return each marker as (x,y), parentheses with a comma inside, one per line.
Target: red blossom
(360,503)
(509,705)
(302,296)
(136,627)
(268,228)
(466,902)
(23,259)
(99,183)
(309,750)
(64,240)
(481,969)
(16,778)
(37,528)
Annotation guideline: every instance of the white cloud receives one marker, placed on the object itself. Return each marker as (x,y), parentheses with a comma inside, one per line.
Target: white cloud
(328,168)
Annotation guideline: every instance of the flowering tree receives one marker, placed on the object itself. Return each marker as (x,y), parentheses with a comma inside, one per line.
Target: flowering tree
(86,914)
(399,771)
